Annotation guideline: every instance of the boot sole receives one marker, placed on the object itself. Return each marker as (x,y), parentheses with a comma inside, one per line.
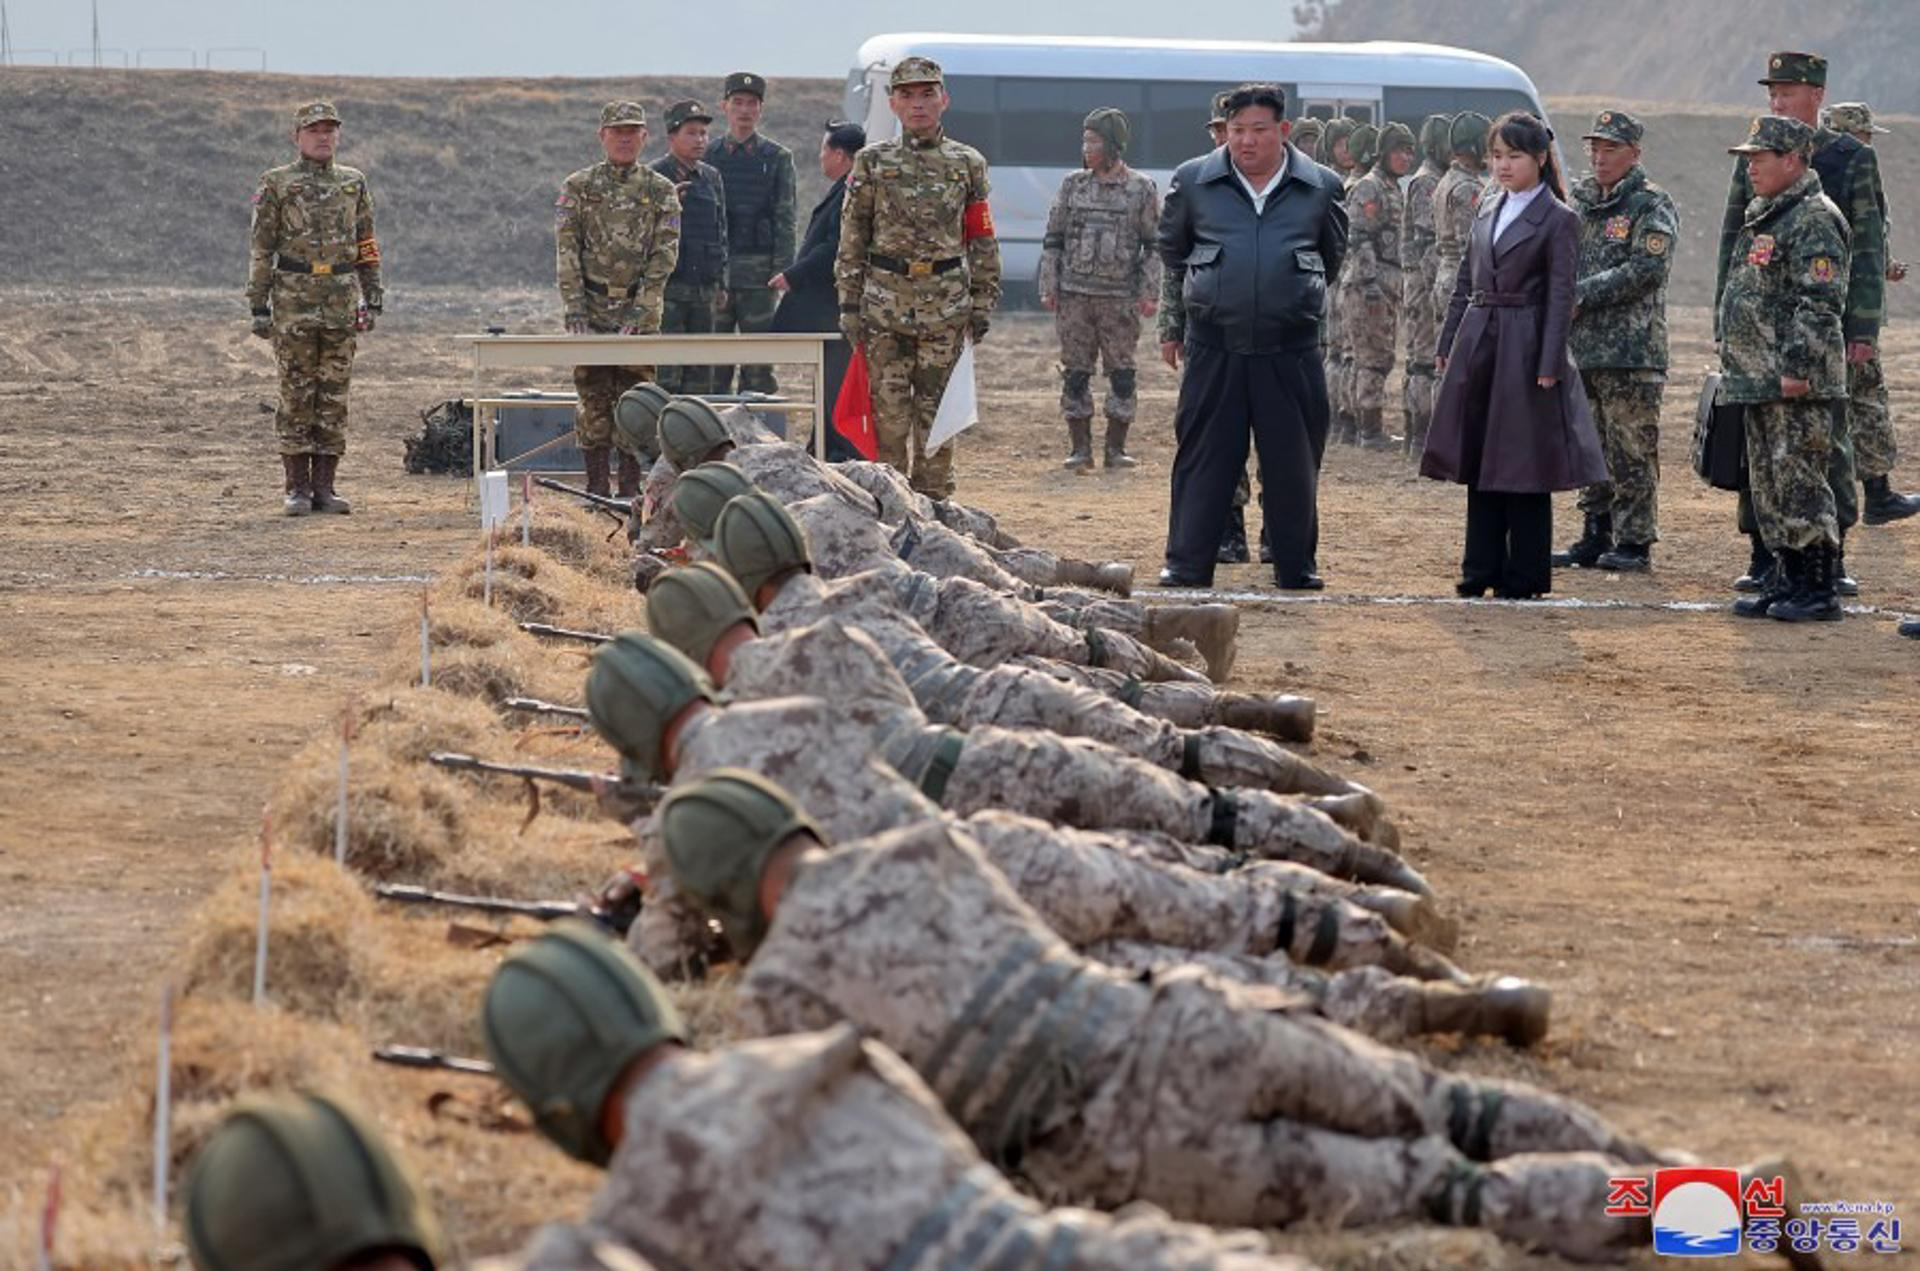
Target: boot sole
(1887,518)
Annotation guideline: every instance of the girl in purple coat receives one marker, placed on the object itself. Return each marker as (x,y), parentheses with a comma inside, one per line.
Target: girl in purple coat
(1510,421)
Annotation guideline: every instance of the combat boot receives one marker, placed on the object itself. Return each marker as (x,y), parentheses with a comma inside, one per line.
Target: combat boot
(629,476)
(1415,917)
(324,499)
(1844,584)
(1884,504)
(1373,431)
(1284,716)
(598,470)
(1233,544)
(299,482)
(1813,599)
(1506,1007)
(1116,450)
(1112,576)
(1780,583)
(1080,434)
(1627,558)
(1759,567)
(1344,430)
(1214,630)
(1596,539)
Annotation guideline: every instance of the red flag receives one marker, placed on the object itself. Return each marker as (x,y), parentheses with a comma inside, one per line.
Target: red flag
(853,413)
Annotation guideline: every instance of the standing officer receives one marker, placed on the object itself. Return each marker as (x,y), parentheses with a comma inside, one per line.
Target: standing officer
(1628,227)
(919,269)
(616,234)
(1099,275)
(698,285)
(313,283)
(1375,209)
(1417,314)
(1456,200)
(761,213)
(1784,356)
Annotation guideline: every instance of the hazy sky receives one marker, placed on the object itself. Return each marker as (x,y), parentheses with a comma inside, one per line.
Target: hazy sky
(579,37)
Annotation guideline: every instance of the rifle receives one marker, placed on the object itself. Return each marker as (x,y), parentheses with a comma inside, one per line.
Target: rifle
(616,920)
(619,507)
(638,795)
(564,633)
(534,705)
(421,1057)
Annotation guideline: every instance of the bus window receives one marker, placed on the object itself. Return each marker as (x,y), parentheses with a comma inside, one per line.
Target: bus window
(1040,119)
(1360,112)
(971,117)
(1175,126)
(1321,110)
(1411,106)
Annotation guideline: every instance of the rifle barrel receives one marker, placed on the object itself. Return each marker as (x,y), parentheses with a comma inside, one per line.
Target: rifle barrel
(564,633)
(618,506)
(573,779)
(545,910)
(535,706)
(421,1057)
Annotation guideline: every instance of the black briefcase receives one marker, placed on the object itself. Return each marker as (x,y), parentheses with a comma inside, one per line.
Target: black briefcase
(1719,438)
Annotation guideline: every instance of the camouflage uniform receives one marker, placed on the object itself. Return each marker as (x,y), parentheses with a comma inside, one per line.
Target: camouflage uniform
(826,1150)
(693,290)
(1221,1103)
(1619,334)
(1344,304)
(1372,280)
(616,236)
(313,261)
(918,271)
(759,178)
(1456,201)
(1420,317)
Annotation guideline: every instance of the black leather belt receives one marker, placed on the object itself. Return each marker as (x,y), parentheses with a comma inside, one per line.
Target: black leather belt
(1501,299)
(601,289)
(288,266)
(915,268)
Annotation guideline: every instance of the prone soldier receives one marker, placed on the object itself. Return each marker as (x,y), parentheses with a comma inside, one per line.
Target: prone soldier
(1375,209)
(616,236)
(761,214)
(696,291)
(1419,317)
(313,283)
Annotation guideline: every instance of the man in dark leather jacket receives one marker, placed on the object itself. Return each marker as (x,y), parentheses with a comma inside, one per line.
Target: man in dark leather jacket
(1252,236)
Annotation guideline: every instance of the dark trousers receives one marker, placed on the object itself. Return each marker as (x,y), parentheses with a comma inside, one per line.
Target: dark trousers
(1509,543)
(1281,398)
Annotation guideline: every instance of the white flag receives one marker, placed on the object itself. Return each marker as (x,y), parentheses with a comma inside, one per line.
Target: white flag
(959,404)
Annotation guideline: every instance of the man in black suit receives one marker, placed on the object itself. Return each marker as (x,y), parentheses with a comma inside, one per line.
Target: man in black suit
(808,301)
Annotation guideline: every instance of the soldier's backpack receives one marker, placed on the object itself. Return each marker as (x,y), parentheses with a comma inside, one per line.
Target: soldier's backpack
(445,443)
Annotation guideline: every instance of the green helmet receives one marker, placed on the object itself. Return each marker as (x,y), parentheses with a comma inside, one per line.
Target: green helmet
(564,1017)
(295,1181)
(1395,136)
(1112,126)
(691,433)
(758,540)
(1433,138)
(1335,131)
(1306,135)
(1363,145)
(693,606)
(637,686)
(699,495)
(718,834)
(636,419)
(1468,134)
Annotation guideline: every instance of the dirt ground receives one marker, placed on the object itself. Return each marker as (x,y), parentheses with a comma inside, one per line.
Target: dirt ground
(1703,833)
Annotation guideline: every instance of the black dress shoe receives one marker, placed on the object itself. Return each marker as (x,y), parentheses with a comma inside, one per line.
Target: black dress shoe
(1467,589)
(1174,577)
(1308,581)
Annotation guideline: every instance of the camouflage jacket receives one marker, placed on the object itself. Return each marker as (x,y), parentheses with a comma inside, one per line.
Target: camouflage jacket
(1375,208)
(1627,236)
(1416,226)
(1780,311)
(916,205)
(319,215)
(1863,204)
(616,238)
(1100,237)
(1456,200)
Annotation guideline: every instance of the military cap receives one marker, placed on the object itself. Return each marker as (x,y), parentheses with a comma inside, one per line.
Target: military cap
(1220,106)
(315,113)
(1395,136)
(1306,133)
(1852,117)
(757,540)
(564,1017)
(1433,137)
(1796,68)
(297,1181)
(699,495)
(1469,132)
(637,685)
(693,606)
(636,418)
(690,431)
(718,834)
(1776,132)
(744,82)
(1363,145)
(1112,126)
(916,70)
(1615,125)
(686,110)
(623,115)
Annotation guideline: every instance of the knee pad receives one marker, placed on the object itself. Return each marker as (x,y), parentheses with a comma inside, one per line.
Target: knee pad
(1122,381)
(1076,383)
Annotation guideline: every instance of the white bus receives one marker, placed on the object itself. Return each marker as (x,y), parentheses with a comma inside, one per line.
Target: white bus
(1020,101)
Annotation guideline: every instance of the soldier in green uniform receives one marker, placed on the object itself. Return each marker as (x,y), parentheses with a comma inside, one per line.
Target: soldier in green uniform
(1362,146)
(918,270)
(758,173)
(1628,227)
(1783,355)
(697,288)
(1375,208)
(1456,200)
(1418,317)
(616,236)
(313,283)
(1100,274)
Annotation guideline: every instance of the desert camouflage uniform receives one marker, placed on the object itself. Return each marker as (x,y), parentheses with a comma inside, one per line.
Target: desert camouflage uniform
(911,204)
(616,235)
(313,214)
(700,274)
(1419,315)
(1375,207)
(761,213)
(1097,264)
(1456,200)
(1619,341)
(1780,314)
(826,1150)
(1223,1104)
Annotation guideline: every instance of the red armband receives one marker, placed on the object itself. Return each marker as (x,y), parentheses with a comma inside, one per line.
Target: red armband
(977,222)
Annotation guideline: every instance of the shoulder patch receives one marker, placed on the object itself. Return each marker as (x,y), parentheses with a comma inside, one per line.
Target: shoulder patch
(1820,269)
(1657,244)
